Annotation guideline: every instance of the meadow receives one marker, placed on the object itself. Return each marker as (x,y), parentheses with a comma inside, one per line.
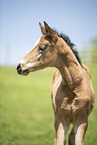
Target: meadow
(26,114)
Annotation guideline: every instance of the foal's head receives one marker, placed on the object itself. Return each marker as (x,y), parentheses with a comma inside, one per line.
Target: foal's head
(43,55)
(48,51)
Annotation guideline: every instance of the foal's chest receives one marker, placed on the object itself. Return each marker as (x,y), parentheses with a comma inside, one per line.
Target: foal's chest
(64,100)
(61,99)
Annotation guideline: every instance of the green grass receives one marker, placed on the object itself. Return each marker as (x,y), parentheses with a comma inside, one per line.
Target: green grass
(26,114)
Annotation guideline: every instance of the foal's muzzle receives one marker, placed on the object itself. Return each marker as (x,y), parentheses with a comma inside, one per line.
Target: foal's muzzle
(21,71)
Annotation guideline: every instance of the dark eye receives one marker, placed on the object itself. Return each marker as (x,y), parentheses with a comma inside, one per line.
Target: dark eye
(42,47)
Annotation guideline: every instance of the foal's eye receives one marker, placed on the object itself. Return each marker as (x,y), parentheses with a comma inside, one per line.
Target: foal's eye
(42,47)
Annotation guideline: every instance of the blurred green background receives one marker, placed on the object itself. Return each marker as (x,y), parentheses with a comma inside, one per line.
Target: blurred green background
(26,114)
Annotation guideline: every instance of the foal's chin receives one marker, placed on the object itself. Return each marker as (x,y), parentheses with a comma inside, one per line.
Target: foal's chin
(24,72)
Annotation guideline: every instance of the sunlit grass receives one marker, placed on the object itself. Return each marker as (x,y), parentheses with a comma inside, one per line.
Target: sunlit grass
(26,114)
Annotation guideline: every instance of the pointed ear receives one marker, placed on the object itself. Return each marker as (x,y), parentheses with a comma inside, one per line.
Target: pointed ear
(42,29)
(49,30)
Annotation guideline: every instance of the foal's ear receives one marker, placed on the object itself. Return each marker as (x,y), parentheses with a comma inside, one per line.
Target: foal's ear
(42,29)
(49,30)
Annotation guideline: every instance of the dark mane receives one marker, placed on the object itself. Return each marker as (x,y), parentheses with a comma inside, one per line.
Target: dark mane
(72,45)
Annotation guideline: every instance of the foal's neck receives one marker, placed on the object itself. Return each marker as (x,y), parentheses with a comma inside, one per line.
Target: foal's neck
(69,68)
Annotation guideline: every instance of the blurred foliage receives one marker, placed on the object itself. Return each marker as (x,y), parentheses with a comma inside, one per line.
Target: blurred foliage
(89,54)
(94,43)
(94,50)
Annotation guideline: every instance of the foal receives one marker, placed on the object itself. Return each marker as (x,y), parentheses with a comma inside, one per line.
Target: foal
(72,92)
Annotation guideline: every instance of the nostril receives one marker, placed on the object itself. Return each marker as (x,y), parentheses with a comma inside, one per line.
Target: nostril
(19,69)
(18,66)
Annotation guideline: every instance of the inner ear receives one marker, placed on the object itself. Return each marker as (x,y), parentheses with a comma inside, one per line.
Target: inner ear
(49,30)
